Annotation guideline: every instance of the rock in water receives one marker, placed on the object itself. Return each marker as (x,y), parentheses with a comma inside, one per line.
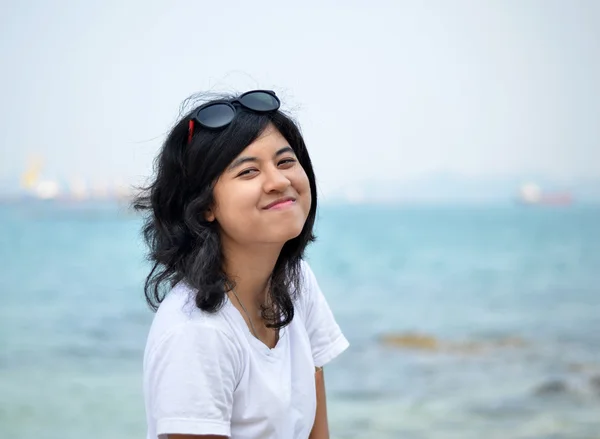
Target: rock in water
(554,387)
(595,383)
(412,341)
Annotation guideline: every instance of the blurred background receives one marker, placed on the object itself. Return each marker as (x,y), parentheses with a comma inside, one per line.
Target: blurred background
(457,151)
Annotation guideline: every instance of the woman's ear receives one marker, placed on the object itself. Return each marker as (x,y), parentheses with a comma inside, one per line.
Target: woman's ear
(209,215)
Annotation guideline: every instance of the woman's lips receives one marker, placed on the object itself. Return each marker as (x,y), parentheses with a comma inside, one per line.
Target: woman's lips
(281,204)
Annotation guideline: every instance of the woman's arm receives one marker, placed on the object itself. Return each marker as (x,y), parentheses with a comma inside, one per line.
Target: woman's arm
(320,428)
(191,436)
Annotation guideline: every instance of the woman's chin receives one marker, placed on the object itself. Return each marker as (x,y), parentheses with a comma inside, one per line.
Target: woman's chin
(283,235)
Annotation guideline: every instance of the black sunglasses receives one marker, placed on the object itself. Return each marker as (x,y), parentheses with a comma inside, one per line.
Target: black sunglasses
(216,115)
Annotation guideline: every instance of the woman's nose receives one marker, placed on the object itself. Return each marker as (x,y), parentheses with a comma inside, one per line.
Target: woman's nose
(276,181)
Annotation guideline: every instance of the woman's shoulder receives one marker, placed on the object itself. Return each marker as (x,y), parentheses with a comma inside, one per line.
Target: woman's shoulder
(179,306)
(178,316)
(306,273)
(308,288)
(184,342)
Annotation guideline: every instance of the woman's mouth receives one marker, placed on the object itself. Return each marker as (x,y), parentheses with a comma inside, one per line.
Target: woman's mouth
(282,203)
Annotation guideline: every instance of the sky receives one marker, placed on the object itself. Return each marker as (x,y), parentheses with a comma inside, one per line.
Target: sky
(384,91)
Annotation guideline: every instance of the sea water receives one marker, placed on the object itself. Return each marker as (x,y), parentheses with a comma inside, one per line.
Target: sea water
(464,322)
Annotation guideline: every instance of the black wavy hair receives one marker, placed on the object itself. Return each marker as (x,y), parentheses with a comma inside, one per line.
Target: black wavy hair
(183,245)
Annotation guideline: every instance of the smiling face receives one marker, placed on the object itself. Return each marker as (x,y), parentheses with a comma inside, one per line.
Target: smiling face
(263,196)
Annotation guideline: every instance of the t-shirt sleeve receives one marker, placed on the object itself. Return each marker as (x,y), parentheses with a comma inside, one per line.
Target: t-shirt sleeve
(326,338)
(191,376)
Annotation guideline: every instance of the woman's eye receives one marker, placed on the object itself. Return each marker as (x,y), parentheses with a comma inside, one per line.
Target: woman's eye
(247,172)
(287,162)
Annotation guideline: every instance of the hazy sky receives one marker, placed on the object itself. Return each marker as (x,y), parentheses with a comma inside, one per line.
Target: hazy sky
(382,89)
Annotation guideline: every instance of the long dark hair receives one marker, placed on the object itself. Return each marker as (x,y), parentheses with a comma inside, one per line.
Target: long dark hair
(183,245)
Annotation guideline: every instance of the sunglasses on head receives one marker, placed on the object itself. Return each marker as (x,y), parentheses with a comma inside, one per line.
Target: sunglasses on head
(219,114)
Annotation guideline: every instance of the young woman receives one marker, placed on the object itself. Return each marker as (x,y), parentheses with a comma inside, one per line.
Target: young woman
(241,330)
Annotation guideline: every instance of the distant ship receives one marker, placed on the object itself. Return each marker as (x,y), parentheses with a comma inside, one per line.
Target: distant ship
(77,190)
(531,194)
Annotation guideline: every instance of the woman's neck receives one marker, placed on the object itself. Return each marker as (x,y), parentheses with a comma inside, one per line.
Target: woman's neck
(250,268)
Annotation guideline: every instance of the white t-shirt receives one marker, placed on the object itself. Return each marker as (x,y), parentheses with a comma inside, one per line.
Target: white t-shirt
(207,374)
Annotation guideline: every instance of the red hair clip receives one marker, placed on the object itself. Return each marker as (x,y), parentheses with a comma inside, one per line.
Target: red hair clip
(190,130)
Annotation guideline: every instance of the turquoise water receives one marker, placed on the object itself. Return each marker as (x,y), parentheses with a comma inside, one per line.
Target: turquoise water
(73,321)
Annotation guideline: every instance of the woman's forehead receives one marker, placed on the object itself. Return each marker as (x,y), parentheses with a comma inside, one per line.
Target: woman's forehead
(268,142)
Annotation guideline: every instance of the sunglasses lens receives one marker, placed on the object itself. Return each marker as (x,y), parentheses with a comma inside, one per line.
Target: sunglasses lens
(216,115)
(260,101)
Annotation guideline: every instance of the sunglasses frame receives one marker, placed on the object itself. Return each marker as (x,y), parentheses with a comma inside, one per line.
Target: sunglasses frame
(232,104)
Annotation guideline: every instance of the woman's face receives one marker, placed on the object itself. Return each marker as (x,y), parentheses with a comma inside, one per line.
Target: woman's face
(263,196)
